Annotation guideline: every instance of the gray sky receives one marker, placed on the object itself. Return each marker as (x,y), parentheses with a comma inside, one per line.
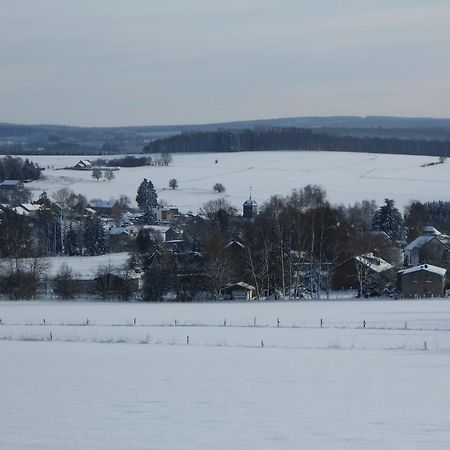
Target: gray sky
(133,62)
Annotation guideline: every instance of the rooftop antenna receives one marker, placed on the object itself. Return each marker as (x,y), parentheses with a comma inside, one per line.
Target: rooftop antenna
(250,192)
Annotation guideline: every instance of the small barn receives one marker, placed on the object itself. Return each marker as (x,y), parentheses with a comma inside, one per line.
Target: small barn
(424,281)
(83,164)
(238,291)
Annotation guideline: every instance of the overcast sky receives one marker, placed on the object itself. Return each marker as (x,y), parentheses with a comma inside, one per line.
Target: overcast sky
(133,62)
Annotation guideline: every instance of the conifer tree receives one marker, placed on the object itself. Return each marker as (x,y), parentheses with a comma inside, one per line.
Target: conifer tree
(388,219)
(95,236)
(147,199)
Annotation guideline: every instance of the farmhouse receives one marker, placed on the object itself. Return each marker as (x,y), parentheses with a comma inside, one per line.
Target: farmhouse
(361,271)
(109,208)
(430,247)
(425,280)
(28,209)
(83,165)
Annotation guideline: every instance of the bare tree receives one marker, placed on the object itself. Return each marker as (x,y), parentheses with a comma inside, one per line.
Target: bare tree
(217,264)
(109,175)
(21,278)
(64,198)
(166,158)
(212,207)
(96,173)
(115,282)
(64,284)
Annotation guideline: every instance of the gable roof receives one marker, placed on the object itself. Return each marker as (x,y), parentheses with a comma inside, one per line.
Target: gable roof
(373,262)
(421,241)
(424,267)
(103,204)
(240,285)
(234,243)
(429,229)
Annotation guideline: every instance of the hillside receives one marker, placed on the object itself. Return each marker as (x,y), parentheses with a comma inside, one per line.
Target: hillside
(76,140)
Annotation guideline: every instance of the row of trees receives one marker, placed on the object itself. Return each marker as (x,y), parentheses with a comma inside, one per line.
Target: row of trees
(24,279)
(290,138)
(108,174)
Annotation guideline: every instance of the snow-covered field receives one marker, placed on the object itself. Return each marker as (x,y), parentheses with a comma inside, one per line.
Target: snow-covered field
(347,177)
(90,378)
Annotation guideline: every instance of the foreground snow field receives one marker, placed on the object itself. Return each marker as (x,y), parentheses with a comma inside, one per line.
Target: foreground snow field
(347,177)
(106,383)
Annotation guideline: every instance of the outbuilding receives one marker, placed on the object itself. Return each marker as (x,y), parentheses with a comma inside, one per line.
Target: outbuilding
(424,281)
(238,291)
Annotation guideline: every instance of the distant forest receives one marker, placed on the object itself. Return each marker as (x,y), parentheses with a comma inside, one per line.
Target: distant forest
(293,139)
(404,135)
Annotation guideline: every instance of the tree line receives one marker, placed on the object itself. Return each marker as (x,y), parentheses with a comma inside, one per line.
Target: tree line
(293,139)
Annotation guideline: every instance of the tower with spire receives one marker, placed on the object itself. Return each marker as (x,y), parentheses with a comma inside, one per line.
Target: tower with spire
(250,207)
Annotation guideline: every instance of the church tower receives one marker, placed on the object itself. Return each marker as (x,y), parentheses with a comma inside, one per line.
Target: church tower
(250,207)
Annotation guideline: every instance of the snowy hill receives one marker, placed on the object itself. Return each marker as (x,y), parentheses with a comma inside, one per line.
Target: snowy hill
(347,177)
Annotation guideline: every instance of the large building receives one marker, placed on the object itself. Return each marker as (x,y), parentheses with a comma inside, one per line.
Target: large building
(430,247)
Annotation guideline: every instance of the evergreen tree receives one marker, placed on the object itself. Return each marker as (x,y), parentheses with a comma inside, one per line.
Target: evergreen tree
(72,242)
(94,236)
(30,170)
(388,219)
(147,199)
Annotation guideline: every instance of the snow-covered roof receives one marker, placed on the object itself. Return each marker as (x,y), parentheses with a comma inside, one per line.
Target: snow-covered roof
(119,230)
(425,267)
(84,162)
(375,263)
(425,238)
(241,285)
(10,182)
(106,204)
(31,206)
(231,243)
(429,229)
(160,228)
(419,242)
